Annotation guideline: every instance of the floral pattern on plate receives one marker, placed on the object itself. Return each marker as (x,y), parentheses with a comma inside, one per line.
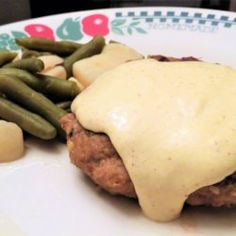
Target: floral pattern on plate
(121,24)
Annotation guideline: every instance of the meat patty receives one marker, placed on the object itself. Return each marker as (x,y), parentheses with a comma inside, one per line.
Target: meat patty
(95,155)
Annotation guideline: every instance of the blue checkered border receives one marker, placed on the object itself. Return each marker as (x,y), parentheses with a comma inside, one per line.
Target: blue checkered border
(176,17)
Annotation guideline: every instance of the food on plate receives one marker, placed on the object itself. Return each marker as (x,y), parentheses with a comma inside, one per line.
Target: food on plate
(63,48)
(57,71)
(163,132)
(6,57)
(79,85)
(171,59)
(11,142)
(25,53)
(34,101)
(33,81)
(33,65)
(48,85)
(52,66)
(89,49)
(50,61)
(28,121)
(65,105)
(112,55)
(59,88)
(34,92)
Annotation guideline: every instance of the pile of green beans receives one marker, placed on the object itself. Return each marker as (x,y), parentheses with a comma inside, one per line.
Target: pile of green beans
(34,101)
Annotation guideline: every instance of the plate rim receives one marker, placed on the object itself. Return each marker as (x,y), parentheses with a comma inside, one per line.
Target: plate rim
(104,10)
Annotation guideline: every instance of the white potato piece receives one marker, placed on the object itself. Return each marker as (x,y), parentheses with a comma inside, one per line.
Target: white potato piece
(11,141)
(50,61)
(57,71)
(113,54)
(18,57)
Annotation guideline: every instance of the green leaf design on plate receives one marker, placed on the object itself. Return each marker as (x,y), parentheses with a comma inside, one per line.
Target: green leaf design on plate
(129,30)
(117,31)
(140,30)
(12,44)
(69,29)
(7,42)
(122,27)
(18,34)
(4,37)
(118,22)
(135,23)
(3,43)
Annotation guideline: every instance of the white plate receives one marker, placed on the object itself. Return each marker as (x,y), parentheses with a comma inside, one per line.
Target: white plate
(43,194)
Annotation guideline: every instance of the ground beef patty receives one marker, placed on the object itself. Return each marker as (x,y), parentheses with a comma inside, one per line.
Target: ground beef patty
(95,155)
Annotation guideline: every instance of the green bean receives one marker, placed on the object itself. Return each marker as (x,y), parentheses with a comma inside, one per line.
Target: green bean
(30,64)
(59,87)
(24,76)
(6,57)
(64,105)
(63,48)
(28,121)
(36,102)
(32,53)
(48,85)
(89,49)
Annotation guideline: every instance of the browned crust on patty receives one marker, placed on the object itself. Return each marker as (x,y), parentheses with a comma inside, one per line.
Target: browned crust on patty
(95,155)
(172,59)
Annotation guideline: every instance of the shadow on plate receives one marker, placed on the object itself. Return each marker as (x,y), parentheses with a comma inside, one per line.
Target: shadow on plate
(220,219)
(49,146)
(127,206)
(192,220)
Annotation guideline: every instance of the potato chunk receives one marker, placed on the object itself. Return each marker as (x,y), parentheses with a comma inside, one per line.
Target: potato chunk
(113,54)
(50,61)
(11,141)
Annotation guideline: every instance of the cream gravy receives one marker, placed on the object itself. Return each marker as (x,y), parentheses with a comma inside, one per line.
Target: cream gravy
(173,124)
